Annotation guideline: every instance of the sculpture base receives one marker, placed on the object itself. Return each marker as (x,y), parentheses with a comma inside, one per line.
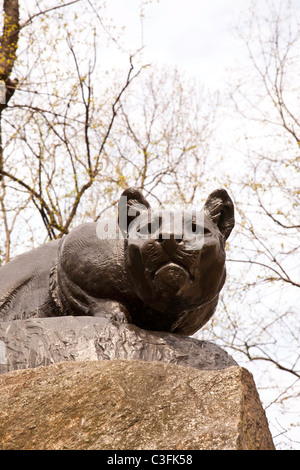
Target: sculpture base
(43,341)
(131,405)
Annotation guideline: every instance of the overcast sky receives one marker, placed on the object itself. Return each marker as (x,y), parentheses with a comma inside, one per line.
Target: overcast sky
(195,35)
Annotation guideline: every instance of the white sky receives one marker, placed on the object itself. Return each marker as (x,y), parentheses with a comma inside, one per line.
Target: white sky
(195,35)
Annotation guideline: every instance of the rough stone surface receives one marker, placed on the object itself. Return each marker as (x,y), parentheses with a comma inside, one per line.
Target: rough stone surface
(43,341)
(120,405)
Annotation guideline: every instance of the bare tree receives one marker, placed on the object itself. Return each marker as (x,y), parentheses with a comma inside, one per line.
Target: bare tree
(55,131)
(75,134)
(165,135)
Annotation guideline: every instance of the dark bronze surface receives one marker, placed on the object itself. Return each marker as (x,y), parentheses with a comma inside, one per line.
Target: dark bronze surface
(162,275)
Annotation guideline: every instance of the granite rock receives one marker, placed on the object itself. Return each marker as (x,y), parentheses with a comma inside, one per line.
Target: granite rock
(130,405)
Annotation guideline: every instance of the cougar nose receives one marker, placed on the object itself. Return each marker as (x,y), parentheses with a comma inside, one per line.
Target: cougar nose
(169,244)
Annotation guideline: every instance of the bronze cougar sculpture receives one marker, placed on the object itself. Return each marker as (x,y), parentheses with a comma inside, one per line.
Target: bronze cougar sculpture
(160,270)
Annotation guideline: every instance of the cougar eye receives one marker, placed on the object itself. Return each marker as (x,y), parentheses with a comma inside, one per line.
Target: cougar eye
(206,231)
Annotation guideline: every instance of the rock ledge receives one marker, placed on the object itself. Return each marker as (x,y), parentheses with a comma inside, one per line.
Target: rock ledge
(125,404)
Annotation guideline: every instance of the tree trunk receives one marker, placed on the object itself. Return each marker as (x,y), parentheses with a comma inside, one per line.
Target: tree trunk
(8,48)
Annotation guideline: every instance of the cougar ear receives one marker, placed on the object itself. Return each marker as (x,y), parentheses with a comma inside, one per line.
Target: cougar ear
(219,207)
(131,204)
